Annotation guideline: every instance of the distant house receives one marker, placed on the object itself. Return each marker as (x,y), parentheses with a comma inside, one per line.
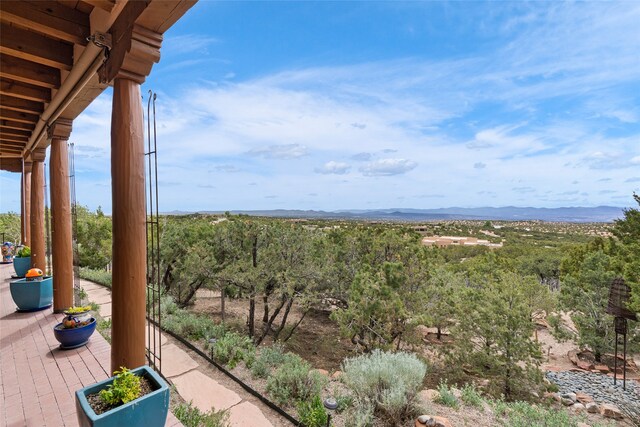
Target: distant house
(443,241)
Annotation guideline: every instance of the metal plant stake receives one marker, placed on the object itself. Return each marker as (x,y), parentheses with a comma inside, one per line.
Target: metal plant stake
(619,295)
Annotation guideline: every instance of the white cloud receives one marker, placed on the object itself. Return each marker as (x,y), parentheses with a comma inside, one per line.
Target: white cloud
(388,167)
(332,167)
(285,151)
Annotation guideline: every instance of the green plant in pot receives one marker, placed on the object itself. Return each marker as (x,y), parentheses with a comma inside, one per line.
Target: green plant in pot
(132,397)
(22,261)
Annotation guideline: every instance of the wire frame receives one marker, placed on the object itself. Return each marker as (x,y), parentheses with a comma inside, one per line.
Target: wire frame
(619,296)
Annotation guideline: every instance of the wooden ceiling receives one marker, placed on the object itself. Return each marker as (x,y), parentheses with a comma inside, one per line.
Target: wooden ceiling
(40,43)
(37,44)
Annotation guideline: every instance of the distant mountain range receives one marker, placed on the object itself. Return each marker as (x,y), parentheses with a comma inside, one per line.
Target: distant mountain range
(508,213)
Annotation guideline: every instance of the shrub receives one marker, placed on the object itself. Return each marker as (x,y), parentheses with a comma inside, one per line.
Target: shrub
(446,396)
(313,413)
(471,396)
(293,380)
(124,388)
(233,348)
(190,416)
(188,325)
(388,381)
(269,358)
(522,414)
(101,277)
(360,415)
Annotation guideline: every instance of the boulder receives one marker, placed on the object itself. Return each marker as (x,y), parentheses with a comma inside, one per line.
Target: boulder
(584,365)
(566,401)
(592,408)
(611,411)
(336,375)
(583,398)
(573,356)
(429,395)
(323,372)
(432,421)
(571,396)
(578,407)
(603,369)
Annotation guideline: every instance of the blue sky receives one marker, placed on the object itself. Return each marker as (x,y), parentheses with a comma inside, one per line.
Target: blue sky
(337,105)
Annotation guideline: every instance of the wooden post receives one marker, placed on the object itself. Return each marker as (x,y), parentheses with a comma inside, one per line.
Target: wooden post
(135,50)
(129,227)
(62,240)
(25,205)
(38,248)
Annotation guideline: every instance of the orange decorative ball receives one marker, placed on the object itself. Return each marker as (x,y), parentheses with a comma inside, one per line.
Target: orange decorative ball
(34,273)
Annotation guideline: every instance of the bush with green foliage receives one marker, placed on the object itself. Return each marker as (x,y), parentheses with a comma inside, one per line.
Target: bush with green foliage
(389,382)
(312,413)
(101,277)
(191,416)
(471,396)
(446,397)
(124,388)
(523,414)
(269,358)
(293,380)
(232,348)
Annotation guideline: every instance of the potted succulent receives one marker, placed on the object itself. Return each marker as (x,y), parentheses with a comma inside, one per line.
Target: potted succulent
(130,398)
(22,261)
(34,292)
(76,328)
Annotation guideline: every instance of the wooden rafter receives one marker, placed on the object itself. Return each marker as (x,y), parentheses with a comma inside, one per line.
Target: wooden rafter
(106,5)
(14,132)
(24,91)
(10,124)
(49,18)
(17,116)
(16,139)
(35,47)
(22,105)
(29,72)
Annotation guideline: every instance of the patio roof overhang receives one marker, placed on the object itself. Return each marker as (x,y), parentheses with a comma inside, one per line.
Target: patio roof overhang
(56,57)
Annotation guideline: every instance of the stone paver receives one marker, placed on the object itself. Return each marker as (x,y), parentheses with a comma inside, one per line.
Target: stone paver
(176,361)
(247,415)
(99,296)
(105,311)
(205,392)
(38,380)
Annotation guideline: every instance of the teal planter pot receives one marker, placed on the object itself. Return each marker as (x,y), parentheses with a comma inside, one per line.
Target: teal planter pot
(149,410)
(74,337)
(21,265)
(33,295)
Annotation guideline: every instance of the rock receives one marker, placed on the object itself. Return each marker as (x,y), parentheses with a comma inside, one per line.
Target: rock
(571,396)
(583,398)
(602,368)
(578,407)
(442,422)
(456,392)
(611,411)
(566,401)
(592,408)
(573,356)
(336,375)
(583,364)
(429,395)
(323,372)
(425,420)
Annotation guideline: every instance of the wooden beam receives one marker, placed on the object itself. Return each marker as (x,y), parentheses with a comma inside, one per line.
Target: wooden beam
(5,148)
(14,132)
(49,18)
(11,164)
(34,47)
(22,105)
(17,116)
(9,142)
(24,91)
(10,124)
(101,4)
(16,139)
(29,72)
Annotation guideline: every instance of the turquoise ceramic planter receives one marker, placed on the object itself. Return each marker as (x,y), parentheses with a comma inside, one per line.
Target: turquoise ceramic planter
(34,295)
(150,410)
(21,265)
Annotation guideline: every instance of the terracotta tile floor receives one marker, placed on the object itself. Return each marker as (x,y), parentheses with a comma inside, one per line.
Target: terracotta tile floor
(37,379)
